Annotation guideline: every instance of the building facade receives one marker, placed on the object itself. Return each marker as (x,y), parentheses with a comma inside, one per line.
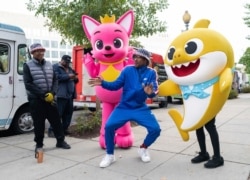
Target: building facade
(37,32)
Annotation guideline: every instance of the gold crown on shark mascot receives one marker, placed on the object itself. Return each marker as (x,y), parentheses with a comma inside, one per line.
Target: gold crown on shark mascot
(199,64)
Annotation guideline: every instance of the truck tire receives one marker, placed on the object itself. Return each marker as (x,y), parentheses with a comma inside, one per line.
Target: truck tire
(170,99)
(92,109)
(163,104)
(22,122)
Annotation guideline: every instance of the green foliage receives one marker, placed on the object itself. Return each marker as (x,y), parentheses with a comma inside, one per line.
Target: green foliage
(88,121)
(246,57)
(233,94)
(247,17)
(245,60)
(245,89)
(64,16)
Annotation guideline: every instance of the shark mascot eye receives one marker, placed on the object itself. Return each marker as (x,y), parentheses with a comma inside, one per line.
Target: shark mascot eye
(199,63)
(193,47)
(171,52)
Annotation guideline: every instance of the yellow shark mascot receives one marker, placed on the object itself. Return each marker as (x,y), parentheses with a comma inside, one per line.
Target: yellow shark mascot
(199,63)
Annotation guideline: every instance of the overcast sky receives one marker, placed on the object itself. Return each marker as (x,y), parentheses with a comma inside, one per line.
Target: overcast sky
(225,16)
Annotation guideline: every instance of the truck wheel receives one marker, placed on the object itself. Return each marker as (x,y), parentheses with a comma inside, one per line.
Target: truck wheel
(170,99)
(22,122)
(92,109)
(163,104)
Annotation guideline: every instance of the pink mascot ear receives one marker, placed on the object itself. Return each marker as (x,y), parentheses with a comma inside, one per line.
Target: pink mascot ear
(89,24)
(127,21)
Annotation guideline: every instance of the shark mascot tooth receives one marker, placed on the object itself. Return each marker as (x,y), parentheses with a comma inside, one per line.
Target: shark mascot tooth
(199,63)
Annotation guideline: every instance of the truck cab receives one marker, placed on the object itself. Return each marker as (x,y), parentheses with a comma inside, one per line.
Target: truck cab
(14,111)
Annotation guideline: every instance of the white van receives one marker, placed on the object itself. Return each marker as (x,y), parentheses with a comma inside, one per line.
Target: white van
(14,109)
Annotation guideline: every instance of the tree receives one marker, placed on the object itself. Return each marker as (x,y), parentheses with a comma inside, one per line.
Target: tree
(247,17)
(245,60)
(64,16)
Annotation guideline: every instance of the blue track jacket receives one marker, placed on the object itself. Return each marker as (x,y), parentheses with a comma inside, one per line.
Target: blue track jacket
(133,80)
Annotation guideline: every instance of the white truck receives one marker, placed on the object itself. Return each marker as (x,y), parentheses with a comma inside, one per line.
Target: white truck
(14,109)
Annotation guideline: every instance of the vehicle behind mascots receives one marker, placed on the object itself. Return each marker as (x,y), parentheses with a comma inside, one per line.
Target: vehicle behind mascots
(110,44)
(199,63)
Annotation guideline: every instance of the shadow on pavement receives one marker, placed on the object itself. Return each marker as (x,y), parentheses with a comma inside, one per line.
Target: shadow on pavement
(6,133)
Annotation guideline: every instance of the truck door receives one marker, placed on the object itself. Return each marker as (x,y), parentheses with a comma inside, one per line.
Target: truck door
(6,80)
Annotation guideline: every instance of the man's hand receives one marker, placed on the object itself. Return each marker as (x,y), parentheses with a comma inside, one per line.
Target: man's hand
(49,97)
(72,76)
(95,81)
(148,89)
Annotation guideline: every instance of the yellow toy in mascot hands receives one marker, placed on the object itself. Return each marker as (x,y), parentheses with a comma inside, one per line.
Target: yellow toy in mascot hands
(199,64)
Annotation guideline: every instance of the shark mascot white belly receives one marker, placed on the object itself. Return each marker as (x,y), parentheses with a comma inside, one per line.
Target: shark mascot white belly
(199,64)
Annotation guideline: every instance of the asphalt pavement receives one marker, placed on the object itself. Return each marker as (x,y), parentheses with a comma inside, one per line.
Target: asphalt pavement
(170,156)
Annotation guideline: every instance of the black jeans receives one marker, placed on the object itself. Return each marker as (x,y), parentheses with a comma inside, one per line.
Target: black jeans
(65,108)
(211,128)
(40,111)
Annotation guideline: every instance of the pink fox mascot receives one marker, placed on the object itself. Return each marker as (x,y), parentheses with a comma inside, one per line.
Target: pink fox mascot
(110,43)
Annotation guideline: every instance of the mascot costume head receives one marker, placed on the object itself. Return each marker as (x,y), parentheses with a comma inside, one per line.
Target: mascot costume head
(199,66)
(110,44)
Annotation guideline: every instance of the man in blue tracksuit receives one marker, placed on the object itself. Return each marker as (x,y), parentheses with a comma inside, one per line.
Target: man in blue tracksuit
(138,83)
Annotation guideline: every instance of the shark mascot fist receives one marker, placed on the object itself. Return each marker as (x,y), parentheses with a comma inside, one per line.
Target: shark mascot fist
(110,44)
(199,63)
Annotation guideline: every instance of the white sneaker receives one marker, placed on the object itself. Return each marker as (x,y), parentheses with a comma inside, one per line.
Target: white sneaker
(144,154)
(107,160)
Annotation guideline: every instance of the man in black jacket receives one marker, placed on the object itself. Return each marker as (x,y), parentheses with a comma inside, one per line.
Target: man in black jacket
(67,78)
(41,86)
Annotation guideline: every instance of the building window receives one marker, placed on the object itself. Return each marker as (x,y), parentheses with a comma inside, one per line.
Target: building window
(46,43)
(29,42)
(54,44)
(54,54)
(69,46)
(36,41)
(62,46)
(70,54)
(54,62)
(47,54)
(62,53)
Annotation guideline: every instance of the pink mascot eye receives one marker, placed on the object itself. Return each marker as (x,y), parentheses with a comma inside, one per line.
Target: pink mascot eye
(118,43)
(99,44)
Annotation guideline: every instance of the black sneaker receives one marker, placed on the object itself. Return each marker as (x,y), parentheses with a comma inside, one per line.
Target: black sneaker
(200,158)
(214,162)
(63,145)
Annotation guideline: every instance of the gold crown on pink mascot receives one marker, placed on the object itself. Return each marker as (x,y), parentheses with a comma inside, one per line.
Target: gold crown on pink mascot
(107,19)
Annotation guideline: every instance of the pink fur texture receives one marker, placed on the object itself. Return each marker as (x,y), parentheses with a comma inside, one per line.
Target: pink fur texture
(111,53)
